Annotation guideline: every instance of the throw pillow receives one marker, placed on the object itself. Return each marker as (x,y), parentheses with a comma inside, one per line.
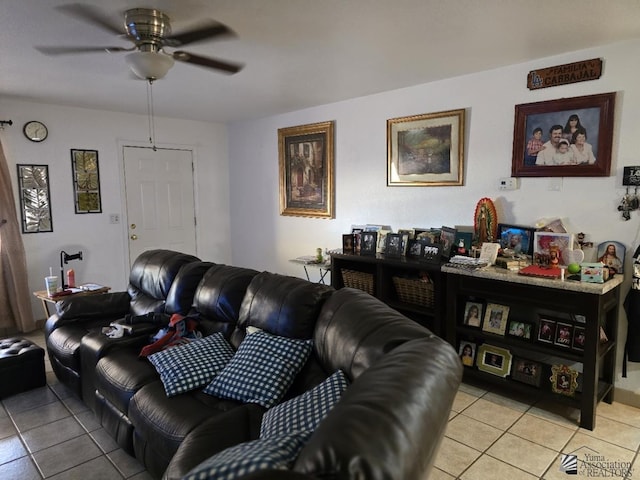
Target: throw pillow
(262,369)
(305,412)
(193,365)
(264,453)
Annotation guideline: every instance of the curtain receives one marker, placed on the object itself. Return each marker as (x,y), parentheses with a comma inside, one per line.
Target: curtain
(15,303)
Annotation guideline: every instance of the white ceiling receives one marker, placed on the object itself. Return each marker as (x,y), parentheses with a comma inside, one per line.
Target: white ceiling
(297,53)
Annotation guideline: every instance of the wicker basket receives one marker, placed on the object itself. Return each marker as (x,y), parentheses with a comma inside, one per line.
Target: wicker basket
(356,279)
(414,291)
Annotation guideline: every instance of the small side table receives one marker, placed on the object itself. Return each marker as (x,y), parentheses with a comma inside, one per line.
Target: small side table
(322,268)
(46,299)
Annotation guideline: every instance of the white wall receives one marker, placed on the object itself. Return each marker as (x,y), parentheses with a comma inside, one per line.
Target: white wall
(263,239)
(104,245)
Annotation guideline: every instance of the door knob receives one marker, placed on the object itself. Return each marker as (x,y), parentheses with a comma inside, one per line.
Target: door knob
(133,226)
(134,237)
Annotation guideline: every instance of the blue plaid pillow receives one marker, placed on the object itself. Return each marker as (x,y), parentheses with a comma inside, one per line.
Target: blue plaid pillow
(193,365)
(277,452)
(305,412)
(262,369)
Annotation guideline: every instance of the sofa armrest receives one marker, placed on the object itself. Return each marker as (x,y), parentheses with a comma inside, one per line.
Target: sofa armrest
(409,393)
(92,307)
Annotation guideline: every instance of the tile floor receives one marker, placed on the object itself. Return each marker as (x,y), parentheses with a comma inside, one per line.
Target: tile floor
(48,433)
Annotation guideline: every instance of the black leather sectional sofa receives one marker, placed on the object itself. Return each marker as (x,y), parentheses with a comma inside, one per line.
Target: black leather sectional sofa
(388,423)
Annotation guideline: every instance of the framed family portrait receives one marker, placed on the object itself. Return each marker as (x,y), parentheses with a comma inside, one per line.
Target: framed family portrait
(306,170)
(519,329)
(568,137)
(516,238)
(495,319)
(494,360)
(426,150)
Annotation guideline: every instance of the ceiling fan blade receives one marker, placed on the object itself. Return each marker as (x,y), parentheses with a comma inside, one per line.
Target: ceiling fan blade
(72,50)
(208,62)
(210,30)
(92,15)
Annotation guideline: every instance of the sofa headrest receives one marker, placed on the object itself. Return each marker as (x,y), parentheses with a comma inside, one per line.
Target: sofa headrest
(219,295)
(355,329)
(281,305)
(183,289)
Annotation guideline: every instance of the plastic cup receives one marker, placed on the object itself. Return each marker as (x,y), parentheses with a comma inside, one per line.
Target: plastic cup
(51,283)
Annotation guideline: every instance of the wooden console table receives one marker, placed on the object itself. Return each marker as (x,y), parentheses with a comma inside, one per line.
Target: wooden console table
(46,299)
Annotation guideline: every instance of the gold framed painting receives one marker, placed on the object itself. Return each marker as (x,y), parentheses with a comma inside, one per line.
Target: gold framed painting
(306,161)
(86,181)
(426,150)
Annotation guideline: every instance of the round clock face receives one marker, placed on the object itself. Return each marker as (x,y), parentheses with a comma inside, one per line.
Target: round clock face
(35,131)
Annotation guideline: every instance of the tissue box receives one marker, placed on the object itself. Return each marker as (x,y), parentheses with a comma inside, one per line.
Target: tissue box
(594,272)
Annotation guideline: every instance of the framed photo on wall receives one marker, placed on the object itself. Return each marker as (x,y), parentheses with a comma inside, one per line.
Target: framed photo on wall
(569,137)
(426,150)
(306,164)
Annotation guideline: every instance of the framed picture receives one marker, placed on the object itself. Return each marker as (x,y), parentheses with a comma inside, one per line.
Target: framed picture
(569,137)
(393,247)
(494,360)
(520,329)
(467,353)
(426,150)
(86,181)
(579,338)
(546,330)
(357,239)
(549,248)
(564,334)
(368,243)
(348,247)
(516,238)
(447,239)
(473,314)
(612,253)
(430,253)
(414,249)
(35,199)
(564,380)
(306,170)
(495,319)
(526,371)
(462,243)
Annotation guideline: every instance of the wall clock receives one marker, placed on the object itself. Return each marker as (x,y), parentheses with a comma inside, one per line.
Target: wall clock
(35,131)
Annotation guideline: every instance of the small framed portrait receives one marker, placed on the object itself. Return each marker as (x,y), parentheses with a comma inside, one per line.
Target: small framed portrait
(467,353)
(546,330)
(430,253)
(414,249)
(357,239)
(494,360)
(348,247)
(579,338)
(526,371)
(519,329)
(564,334)
(564,380)
(473,314)
(515,238)
(368,243)
(462,243)
(612,253)
(549,248)
(393,246)
(495,319)
(447,239)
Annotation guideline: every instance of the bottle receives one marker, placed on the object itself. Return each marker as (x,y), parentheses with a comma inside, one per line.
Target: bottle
(71,278)
(318,255)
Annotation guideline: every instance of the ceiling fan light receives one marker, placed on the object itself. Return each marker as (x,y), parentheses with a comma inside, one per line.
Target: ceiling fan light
(149,65)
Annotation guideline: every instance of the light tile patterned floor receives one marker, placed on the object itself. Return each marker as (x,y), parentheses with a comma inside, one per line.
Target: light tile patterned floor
(49,433)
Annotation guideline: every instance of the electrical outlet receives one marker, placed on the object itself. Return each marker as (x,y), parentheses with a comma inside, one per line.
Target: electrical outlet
(114,218)
(508,183)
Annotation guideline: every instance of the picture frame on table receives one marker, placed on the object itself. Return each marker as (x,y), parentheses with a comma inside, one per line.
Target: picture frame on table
(348,247)
(564,334)
(414,249)
(494,360)
(426,150)
(526,371)
(518,329)
(495,319)
(430,253)
(546,330)
(467,241)
(357,239)
(467,353)
(306,163)
(540,126)
(447,239)
(473,314)
(516,238)
(551,246)
(368,243)
(612,254)
(564,380)
(393,245)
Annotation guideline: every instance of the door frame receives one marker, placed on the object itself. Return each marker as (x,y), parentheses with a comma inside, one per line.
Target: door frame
(124,221)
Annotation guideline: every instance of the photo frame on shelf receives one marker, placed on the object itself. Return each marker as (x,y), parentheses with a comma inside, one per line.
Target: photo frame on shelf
(306,163)
(473,314)
(546,330)
(586,123)
(430,253)
(564,380)
(551,246)
(348,247)
(467,353)
(526,371)
(518,329)
(369,243)
(495,319)
(467,240)
(564,334)
(612,254)
(393,246)
(516,238)
(426,150)
(357,239)
(494,360)
(414,249)
(579,338)
(447,239)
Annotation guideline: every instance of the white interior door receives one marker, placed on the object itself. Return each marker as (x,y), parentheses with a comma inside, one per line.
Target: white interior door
(160,200)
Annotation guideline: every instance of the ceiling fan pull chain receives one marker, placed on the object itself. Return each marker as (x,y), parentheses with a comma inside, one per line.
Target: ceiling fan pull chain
(152,126)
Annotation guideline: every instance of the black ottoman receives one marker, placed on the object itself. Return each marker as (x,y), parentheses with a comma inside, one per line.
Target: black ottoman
(21,366)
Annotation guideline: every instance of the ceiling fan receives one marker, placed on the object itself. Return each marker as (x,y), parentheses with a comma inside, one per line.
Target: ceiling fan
(150,32)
